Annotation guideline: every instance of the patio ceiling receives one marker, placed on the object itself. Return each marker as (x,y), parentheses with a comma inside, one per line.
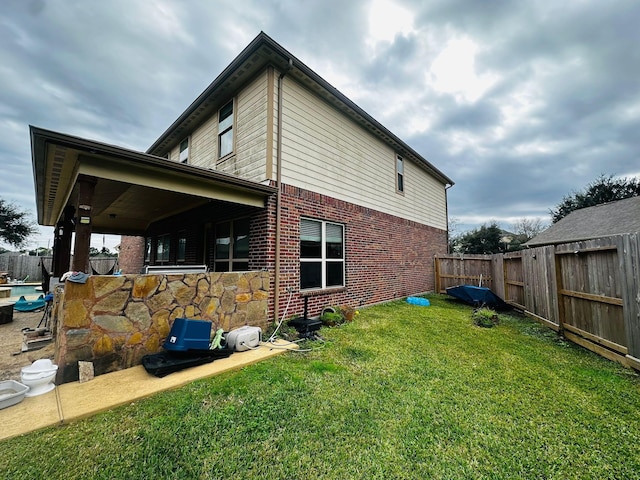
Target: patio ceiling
(132,189)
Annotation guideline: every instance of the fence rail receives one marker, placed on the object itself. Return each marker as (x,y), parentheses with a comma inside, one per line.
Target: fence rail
(587,291)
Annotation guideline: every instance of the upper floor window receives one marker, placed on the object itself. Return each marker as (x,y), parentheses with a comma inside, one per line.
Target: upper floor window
(184,150)
(225,130)
(399,174)
(321,254)
(232,246)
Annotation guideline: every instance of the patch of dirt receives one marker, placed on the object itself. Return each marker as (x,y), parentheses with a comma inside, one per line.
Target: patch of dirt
(11,342)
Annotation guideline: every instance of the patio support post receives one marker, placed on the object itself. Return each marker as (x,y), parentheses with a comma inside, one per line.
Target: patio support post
(86,187)
(62,243)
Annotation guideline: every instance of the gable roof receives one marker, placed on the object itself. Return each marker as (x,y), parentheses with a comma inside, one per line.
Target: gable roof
(608,219)
(263,51)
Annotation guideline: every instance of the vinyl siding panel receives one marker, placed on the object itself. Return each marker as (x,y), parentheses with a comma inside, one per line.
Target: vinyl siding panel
(204,144)
(325,152)
(249,157)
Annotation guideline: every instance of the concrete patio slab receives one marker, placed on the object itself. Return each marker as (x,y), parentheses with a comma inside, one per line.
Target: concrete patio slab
(73,401)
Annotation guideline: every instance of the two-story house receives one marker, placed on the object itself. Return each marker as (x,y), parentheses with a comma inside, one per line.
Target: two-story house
(270,168)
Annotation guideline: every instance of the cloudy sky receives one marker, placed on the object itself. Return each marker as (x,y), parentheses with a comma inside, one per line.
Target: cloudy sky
(519,102)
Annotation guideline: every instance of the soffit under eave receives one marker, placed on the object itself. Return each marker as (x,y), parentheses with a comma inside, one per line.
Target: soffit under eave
(58,170)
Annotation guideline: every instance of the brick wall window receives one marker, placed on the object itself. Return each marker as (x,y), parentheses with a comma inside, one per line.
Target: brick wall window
(232,246)
(321,254)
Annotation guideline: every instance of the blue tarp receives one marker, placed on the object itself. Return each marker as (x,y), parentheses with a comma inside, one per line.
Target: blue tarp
(477,296)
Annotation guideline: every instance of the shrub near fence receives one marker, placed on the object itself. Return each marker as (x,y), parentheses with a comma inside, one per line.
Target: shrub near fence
(586,291)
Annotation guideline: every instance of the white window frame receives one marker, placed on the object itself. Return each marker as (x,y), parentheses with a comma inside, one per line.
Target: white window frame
(400,183)
(227,125)
(323,258)
(183,156)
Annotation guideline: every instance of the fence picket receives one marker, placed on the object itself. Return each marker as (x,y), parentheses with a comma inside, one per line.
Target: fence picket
(591,289)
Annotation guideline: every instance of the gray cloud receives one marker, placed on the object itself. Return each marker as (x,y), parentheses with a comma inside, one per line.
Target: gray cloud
(562,107)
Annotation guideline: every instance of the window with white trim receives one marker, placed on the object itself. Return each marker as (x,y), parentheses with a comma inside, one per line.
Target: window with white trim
(399,174)
(225,130)
(184,150)
(232,246)
(321,254)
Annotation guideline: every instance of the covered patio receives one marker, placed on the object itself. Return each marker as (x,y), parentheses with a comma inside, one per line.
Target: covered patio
(85,187)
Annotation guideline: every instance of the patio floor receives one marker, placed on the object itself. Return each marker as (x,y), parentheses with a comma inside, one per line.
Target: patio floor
(73,401)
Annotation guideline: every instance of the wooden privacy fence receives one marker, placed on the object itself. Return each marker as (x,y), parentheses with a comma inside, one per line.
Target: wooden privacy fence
(19,266)
(587,291)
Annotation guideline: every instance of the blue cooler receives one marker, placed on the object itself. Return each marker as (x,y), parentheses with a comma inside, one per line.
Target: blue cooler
(187,334)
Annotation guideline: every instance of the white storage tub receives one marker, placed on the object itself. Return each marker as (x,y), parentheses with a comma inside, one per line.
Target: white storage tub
(11,392)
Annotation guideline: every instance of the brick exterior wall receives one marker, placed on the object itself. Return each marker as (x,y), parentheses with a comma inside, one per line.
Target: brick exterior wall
(131,255)
(386,257)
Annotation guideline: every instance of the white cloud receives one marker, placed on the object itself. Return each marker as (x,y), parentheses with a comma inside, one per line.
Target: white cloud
(386,20)
(454,71)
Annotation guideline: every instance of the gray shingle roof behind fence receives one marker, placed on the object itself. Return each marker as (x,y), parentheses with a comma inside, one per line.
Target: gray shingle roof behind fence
(614,218)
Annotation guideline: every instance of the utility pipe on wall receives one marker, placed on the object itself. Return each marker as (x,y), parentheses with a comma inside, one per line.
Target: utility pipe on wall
(276,280)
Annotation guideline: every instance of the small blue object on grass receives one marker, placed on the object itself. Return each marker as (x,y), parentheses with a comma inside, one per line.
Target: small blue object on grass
(423,302)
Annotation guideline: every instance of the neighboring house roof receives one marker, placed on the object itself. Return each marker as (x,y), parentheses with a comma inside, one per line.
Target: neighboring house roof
(608,219)
(261,52)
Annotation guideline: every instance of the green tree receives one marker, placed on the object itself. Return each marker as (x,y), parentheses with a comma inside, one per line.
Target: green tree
(484,240)
(602,190)
(16,226)
(105,252)
(41,252)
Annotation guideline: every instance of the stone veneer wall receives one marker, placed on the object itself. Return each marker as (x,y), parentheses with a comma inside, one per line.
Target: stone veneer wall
(113,321)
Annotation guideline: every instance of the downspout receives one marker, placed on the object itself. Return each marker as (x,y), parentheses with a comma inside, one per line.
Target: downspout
(446,209)
(276,279)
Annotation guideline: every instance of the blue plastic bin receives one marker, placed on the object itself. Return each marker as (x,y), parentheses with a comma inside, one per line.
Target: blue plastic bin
(187,334)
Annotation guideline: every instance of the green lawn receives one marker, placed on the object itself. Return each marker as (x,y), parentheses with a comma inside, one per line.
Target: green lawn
(403,392)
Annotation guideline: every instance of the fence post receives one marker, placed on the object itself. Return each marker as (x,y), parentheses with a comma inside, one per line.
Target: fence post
(559,288)
(629,264)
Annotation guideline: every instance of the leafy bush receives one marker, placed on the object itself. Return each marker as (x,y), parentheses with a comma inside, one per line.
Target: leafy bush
(485,317)
(330,317)
(337,315)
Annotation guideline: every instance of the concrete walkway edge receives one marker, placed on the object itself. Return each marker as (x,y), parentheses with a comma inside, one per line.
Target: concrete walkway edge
(73,401)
